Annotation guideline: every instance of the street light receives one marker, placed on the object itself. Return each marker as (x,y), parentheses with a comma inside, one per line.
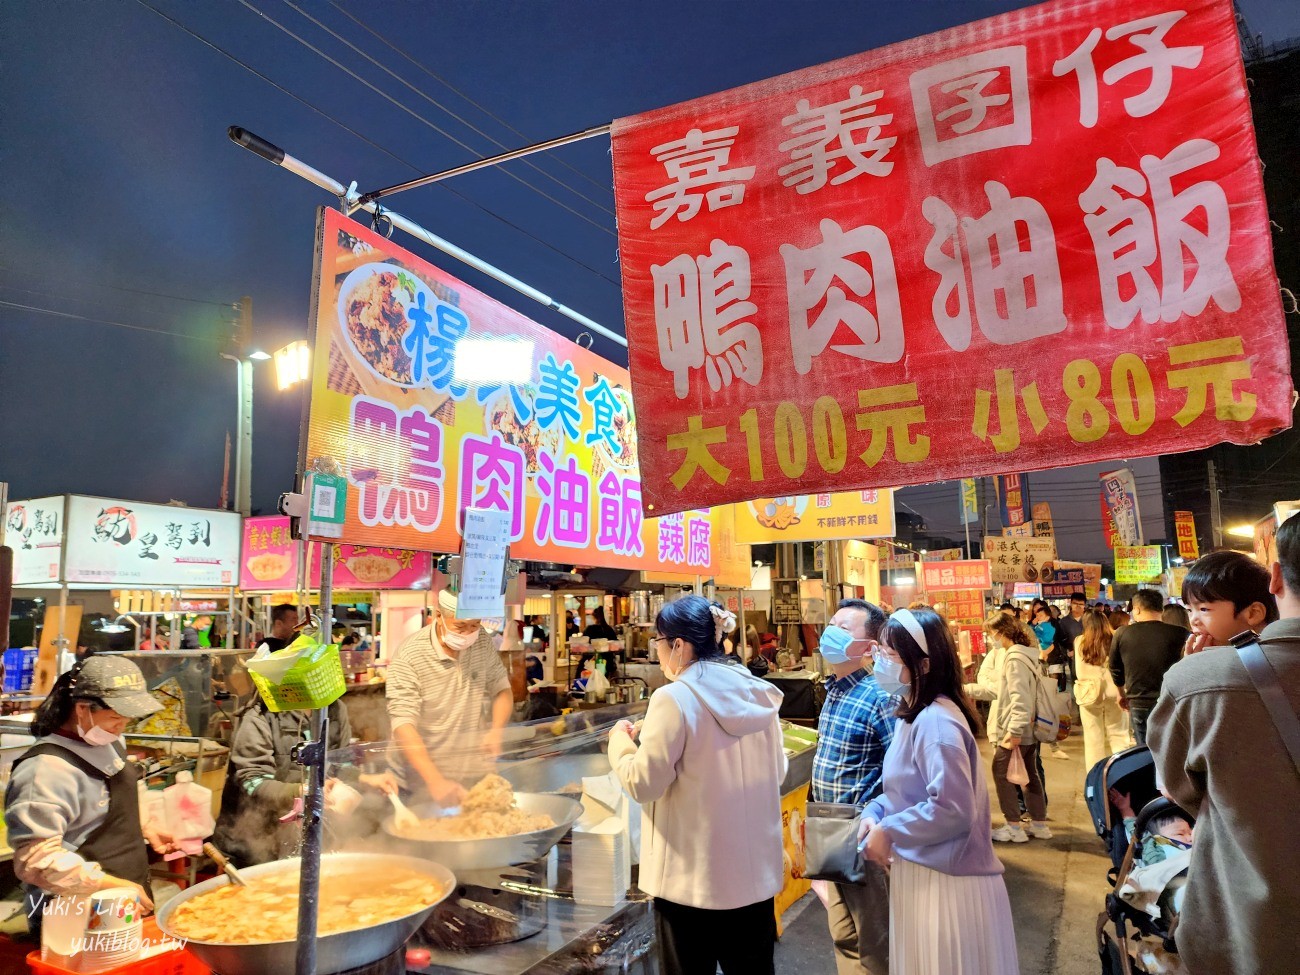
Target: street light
(292,364)
(1242,531)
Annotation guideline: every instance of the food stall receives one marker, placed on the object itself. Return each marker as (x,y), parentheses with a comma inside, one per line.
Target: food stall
(72,543)
(395,459)
(517,905)
(147,563)
(392,587)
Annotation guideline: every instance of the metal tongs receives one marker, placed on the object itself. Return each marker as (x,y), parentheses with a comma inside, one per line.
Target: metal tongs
(219,858)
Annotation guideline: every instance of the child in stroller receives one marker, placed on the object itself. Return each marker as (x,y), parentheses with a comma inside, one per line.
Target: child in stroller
(1166,835)
(1150,850)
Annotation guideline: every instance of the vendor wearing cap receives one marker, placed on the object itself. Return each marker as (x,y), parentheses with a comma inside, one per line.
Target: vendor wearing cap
(71,807)
(440,684)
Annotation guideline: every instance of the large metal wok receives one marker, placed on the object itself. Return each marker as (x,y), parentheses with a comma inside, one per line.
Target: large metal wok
(502,851)
(334,952)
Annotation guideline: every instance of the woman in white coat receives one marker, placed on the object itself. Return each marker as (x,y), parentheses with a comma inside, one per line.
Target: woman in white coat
(706,765)
(988,680)
(1011,730)
(1105,725)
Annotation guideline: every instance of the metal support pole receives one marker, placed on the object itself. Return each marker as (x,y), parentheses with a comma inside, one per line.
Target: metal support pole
(314,805)
(1216,514)
(351,200)
(469,167)
(243,433)
(559,636)
(245,454)
(961,498)
(63,614)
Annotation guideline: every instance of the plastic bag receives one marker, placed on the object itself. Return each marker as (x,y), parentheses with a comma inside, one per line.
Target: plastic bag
(598,682)
(1017,774)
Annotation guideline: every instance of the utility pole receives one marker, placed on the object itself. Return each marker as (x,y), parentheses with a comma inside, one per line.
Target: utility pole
(243,346)
(244,455)
(1216,515)
(961,505)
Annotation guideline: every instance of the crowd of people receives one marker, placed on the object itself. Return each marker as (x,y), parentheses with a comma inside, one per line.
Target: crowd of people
(898,738)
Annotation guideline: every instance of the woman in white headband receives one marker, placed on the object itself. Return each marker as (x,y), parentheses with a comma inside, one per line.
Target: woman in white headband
(949,912)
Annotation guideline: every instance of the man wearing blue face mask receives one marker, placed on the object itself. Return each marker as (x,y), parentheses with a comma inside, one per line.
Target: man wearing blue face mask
(854,732)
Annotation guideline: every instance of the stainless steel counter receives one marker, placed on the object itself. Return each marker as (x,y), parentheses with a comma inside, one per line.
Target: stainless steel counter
(574,938)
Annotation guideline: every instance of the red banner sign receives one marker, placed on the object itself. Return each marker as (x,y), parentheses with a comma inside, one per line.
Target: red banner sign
(1032,241)
(964,574)
(1185,528)
(1013,500)
(270,562)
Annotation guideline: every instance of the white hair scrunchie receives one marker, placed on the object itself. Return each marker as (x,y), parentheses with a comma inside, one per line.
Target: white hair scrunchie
(913,626)
(724,621)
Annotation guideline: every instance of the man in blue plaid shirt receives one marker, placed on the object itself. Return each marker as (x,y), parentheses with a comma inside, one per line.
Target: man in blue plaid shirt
(854,732)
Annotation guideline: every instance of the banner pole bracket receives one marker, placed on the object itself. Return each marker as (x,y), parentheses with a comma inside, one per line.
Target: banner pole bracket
(350,202)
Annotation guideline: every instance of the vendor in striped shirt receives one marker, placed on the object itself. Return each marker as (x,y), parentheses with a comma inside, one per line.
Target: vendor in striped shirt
(853,734)
(448,698)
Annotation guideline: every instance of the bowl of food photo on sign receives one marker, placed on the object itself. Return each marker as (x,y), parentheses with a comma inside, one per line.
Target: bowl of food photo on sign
(511,411)
(389,318)
(617,452)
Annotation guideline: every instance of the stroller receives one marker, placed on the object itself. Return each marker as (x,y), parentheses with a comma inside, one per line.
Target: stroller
(1121,926)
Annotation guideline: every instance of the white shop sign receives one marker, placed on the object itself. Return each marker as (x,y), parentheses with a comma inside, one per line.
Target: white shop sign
(125,543)
(34,530)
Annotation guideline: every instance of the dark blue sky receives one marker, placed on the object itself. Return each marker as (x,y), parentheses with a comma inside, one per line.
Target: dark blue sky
(118,179)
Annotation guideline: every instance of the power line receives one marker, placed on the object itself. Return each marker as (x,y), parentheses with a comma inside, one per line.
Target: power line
(134,291)
(449,86)
(417,116)
(105,321)
(368,141)
(433,101)
(79,301)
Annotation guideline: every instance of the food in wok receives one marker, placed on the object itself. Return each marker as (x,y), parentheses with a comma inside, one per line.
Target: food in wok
(266,910)
(487,812)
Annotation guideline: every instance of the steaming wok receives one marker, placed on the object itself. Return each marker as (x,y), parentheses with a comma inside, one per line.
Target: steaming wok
(502,851)
(334,952)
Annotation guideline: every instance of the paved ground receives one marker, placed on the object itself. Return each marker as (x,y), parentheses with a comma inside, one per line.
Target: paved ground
(1057,888)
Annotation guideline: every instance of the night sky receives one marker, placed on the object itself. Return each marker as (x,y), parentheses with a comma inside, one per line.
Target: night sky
(122,201)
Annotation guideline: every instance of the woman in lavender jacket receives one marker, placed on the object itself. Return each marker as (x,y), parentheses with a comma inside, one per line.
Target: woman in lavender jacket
(948,907)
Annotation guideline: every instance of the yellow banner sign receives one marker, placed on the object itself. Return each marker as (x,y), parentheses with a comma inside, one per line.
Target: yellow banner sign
(1135,564)
(431,398)
(816,517)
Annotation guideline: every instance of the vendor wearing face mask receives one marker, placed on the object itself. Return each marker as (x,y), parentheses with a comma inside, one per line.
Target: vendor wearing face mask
(71,807)
(438,685)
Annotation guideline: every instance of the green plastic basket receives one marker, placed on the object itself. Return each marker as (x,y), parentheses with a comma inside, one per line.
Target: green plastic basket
(315,681)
